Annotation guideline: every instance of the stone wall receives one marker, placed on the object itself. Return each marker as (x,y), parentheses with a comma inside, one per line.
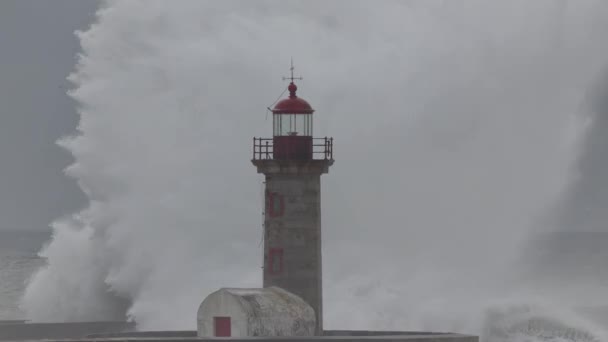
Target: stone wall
(37,331)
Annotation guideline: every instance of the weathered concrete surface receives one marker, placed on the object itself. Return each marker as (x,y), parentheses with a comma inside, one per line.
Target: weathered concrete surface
(392,338)
(292,228)
(330,336)
(293,167)
(268,311)
(377,333)
(38,331)
(327,333)
(143,334)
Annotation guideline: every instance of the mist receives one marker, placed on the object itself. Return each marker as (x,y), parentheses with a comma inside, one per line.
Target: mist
(582,208)
(457,126)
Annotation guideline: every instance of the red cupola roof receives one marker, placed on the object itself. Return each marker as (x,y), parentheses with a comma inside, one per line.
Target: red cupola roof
(292,104)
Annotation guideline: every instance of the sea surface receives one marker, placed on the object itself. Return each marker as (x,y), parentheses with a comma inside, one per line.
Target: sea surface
(18,261)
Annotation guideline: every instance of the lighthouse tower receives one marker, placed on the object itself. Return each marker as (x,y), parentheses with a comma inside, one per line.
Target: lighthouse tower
(293,162)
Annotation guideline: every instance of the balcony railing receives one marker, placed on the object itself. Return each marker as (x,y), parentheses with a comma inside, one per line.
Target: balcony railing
(287,148)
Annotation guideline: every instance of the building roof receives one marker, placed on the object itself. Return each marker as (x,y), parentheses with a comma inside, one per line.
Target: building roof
(272,301)
(293,104)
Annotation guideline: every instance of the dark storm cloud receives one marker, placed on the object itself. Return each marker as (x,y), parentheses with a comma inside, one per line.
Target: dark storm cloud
(37,52)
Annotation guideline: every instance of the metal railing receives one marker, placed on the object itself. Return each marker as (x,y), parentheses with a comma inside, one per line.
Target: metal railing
(322,148)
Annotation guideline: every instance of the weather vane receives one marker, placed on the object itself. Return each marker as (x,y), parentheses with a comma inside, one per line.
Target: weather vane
(292,78)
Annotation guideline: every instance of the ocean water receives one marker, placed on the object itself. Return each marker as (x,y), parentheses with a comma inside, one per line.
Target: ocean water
(18,261)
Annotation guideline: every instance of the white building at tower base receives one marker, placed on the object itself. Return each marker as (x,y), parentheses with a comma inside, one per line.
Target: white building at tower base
(271,311)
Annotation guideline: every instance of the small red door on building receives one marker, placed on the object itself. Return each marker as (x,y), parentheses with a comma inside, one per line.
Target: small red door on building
(222,326)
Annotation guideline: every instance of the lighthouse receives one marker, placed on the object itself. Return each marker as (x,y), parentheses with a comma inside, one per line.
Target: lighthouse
(292,162)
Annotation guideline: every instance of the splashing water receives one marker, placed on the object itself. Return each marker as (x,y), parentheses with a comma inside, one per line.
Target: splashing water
(534,321)
(455,127)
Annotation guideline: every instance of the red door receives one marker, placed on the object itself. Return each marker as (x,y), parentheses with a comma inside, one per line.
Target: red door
(222,326)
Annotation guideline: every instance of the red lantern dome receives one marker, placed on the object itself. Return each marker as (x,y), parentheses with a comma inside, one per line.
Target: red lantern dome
(293,104)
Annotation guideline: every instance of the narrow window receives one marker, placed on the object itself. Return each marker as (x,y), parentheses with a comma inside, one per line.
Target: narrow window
(284,124)
(276,120)
(275,204)
(275,261)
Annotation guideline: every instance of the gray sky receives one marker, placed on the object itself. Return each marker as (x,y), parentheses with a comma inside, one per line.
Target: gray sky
(37,51)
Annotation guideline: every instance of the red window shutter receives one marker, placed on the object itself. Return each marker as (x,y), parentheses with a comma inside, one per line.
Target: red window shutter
(222,326)
(275,204)
(275,260)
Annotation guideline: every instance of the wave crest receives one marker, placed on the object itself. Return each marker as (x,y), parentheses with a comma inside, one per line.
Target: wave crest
(527,322)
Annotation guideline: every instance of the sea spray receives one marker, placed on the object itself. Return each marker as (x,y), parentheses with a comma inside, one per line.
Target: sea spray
(454,127)
(530,321)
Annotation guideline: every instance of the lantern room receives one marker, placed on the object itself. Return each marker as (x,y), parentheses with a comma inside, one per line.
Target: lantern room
(292,127)
(292,116)
(292,132)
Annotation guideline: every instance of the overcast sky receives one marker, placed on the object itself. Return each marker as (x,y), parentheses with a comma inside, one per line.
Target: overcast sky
(37,52)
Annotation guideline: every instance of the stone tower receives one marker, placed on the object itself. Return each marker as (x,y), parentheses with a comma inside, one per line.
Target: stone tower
(293,162)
